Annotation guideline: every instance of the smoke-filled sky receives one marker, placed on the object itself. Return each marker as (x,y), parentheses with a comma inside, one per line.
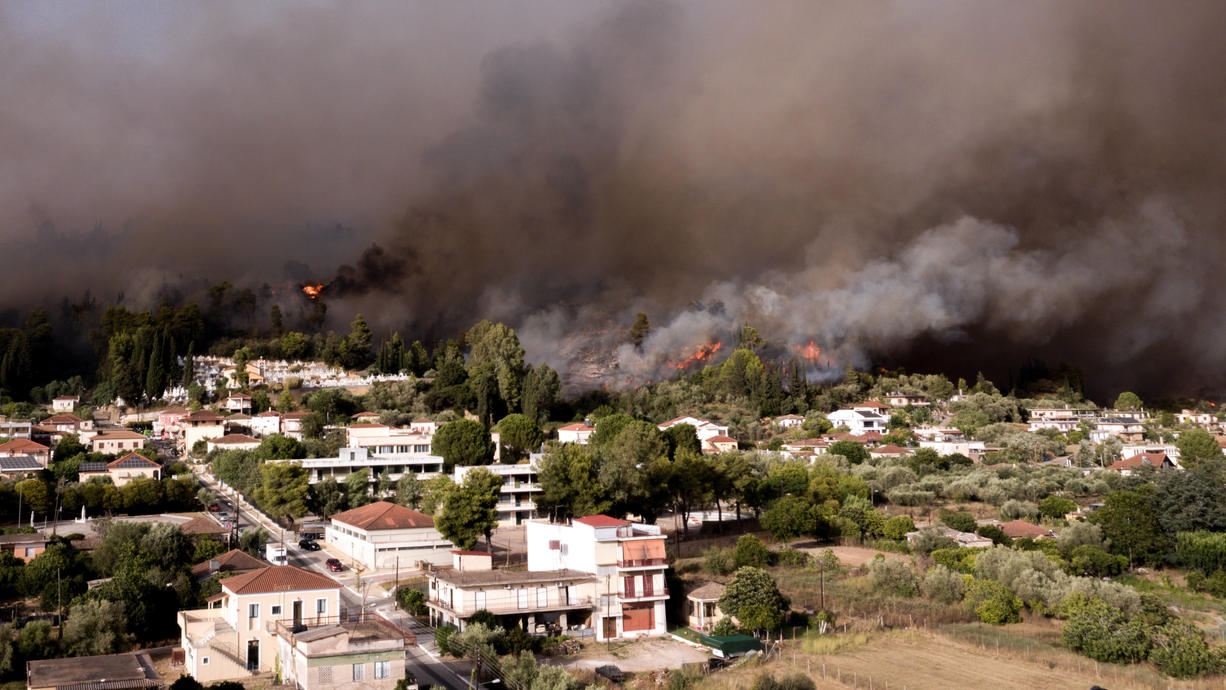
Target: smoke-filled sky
(934,183)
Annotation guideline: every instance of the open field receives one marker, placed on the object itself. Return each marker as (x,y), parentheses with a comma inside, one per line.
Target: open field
(948,659)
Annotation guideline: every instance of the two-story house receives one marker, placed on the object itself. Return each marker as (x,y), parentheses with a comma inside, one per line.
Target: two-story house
(236,637)
(201,425)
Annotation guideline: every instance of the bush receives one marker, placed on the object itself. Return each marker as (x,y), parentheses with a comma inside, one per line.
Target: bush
(993,602)
(443,635)
(896,528)
(1179,650)
(750,552)
(483,617)
(724,627)
(792,557)
(961,521)
(894,576)
(1056,508)
(930,539)
(795,681)
(1205,551)
(1094,562)
(995,533)
(1101,631)
(1079,533)
(1014,509)
(910,497)
(411,600)
(717,561)
(960,559)
(943,585)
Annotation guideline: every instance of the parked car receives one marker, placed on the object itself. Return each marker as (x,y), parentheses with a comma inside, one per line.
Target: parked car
(215,508)
(308,544)
(334,565)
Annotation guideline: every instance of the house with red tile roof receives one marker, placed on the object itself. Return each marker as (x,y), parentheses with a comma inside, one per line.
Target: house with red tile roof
(132,467)
(25,447)
(376,535)
(578,432)
(719,444)
(1020,529)
(233,561)
(1129,465)
(233,442)
(888,451)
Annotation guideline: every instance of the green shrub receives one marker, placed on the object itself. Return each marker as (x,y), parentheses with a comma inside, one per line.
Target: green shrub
(961,559)
(1204,551)
(943,585)
(443,635)
(1101,631)
(930,539)
(717,561)
(995,533)
(894,576)
(411,600)
(1094,562)
(993,602)
(750,552)
(1056,508)
(961,521)
(1014,509)
(484,617)
(792,557)
(1178,649)
(910,497)
(896,528)
(724,627)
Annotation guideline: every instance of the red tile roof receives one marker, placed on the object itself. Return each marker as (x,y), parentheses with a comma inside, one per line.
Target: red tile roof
(62,419)
(1018,529)
(872,404)
(234,439)
(384,515)
(890,450)
(23,445)
(367,425)
(131,460)
(278,578)
(202,525)
(120,435)
(601,521)
(1136,461)
(366,414)
(577,426)
(228,562)
(721,439)
(269,413)
(204,416)
(295,415)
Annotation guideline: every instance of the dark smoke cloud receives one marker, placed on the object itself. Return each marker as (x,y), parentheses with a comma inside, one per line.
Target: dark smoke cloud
(917,182)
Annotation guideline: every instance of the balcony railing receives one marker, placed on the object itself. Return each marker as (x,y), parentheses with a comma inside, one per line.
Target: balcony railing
(639,594)
(501,609)
(642,562)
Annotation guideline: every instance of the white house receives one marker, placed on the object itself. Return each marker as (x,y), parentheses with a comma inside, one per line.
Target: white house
(350,460)
(64,403)
(627,559)
(233,442)
(704,428)
(859,422)
(789,421)
(266,423)
(519,487)
(381,535)
(576,433)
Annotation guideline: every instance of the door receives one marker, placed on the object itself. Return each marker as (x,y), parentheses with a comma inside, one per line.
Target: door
(610,628)
(648,585)
(297,615)
(629,587)
(253,655)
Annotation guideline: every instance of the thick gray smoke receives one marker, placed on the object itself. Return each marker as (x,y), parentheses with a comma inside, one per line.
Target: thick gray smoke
(925,182)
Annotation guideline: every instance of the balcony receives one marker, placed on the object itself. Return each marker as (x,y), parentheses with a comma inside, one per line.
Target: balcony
(642,563)
(657,593)
(510,608)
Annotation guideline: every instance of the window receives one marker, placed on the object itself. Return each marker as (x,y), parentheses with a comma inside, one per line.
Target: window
(383,669)
(542,597)
(480,599)
(29,552)
(275,611)
(204,661)
(523,598)
(359,671)
(253,610)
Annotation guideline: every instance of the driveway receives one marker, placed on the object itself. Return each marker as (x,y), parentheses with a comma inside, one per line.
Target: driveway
(640,655)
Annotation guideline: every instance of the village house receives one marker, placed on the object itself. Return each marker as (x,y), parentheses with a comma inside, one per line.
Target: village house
(963,539)
(974,450)
(131,467)
(202,425)
(559,601)
(109,672)
(900,399)
(811,446)
(65,403)
(291,424)
(383,535)
(13,466)
(931,433)
(266,423)
(167,424)
(237,402)
(1063,425)
(576,433)
(1081,413)
(382,439)
(627,559)
(16,428)
(1127,466)
(354,652)
(703,428)
(868,439)
(516,495)
(111,442)
(236,636)
(859,421)
(719,444)
(1206,420)
(233,442)
(350,460)
(20,447)
(888,451)
(789,421)
(67,423)
(702,607)
(24,547)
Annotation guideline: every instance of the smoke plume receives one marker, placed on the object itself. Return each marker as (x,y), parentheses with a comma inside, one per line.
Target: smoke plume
(930,184)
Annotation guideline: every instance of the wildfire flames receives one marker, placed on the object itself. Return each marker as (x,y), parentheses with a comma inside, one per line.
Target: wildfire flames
(313,291)
(703,354)
(810,352)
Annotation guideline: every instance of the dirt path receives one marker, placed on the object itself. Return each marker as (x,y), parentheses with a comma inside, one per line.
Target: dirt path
(852,556)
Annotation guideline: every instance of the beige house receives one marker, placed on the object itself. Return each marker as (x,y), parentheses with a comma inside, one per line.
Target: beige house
(237,402)
(702,607)
(233,442)
(21,447)
(237,636)
(352,653)
(202,425)
(540,602)
(65,403)
(291,424)
(24,547)
(382,535)
(132,466)
(111,442)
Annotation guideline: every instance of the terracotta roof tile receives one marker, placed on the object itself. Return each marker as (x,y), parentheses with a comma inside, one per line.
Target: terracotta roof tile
(601,521)
(230,561)
(384,515)
(131,461)
(278,578)
(233,439)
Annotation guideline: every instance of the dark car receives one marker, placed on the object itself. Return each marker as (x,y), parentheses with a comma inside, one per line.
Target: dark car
(309,544)
(334,565)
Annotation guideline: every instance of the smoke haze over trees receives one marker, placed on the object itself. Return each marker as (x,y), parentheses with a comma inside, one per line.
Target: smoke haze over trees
(927,184)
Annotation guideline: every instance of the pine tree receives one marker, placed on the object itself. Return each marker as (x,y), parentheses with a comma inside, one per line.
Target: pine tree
(274,317)
(155,376)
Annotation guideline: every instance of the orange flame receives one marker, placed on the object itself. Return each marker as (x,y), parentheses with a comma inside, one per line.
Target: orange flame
(703,354)
(811,352)
(313,291)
